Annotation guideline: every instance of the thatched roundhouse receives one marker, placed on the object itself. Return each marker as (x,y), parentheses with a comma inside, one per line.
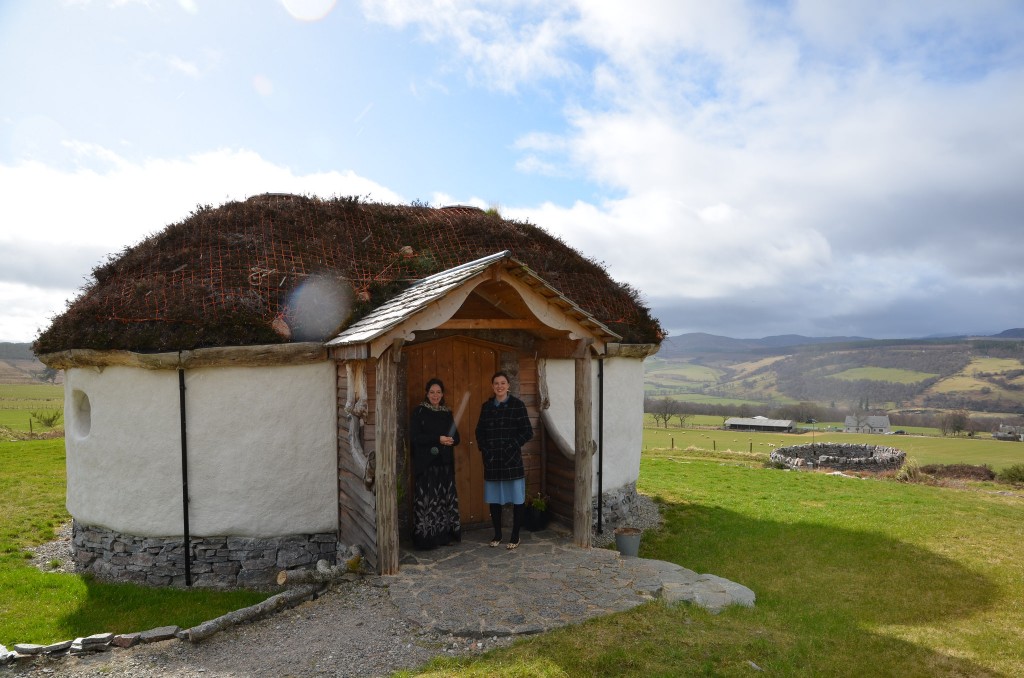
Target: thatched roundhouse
(238,385)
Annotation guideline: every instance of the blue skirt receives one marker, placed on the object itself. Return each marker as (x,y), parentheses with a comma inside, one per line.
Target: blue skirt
(505,491)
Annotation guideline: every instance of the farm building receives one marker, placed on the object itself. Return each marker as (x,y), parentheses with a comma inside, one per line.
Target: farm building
(759,424)
(866,423)
(1005,432)
(238,385)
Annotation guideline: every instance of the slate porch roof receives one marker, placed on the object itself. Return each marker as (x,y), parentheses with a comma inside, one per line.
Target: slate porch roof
(425,292)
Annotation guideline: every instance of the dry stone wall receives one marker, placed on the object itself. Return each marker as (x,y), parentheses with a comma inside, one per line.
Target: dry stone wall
(841,456)
(217,562)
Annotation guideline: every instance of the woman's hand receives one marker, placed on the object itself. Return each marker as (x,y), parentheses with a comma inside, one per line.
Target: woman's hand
(447,440)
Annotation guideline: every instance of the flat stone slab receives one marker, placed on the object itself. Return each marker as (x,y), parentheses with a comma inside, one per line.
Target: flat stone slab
(158,634)
(473,590)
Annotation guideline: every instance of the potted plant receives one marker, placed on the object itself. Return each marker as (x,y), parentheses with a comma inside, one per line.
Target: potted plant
(538,512)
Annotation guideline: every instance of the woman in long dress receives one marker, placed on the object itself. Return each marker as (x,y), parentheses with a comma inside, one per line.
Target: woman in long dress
(435,501)
(501,432)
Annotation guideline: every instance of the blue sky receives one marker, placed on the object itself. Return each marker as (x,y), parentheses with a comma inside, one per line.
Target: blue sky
(754,168)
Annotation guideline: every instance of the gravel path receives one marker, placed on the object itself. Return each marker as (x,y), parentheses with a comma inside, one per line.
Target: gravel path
(352,630)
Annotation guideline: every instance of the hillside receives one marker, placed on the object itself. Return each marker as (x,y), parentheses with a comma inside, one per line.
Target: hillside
(18,365)
(983,374)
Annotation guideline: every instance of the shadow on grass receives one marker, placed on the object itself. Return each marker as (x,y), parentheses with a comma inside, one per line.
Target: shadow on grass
(126,608)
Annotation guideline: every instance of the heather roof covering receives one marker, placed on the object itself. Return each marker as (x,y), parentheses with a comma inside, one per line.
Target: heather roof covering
(223,276)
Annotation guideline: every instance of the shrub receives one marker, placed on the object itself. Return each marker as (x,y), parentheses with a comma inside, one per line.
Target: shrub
(1013,474)
(49,418)
(960,471)
(911,472)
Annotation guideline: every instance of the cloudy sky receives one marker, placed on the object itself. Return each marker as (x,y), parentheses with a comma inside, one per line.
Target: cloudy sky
(754,168)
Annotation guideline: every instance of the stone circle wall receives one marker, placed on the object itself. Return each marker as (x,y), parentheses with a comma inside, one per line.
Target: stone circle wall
(217,562)
(840,456)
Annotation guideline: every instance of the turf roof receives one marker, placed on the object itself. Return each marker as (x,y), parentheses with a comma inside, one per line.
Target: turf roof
(223,276)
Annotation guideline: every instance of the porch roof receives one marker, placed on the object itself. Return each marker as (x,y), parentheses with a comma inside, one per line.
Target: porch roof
(432,289)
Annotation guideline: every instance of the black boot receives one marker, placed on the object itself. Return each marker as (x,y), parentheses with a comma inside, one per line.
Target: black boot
(517,520)
(496,521)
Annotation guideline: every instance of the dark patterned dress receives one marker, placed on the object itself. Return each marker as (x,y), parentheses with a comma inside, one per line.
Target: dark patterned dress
(435,501)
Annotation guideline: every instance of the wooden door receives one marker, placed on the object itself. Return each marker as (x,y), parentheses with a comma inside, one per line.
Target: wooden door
(465,367)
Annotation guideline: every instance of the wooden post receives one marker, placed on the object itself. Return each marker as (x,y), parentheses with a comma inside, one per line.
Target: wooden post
(583,494)
(386,488)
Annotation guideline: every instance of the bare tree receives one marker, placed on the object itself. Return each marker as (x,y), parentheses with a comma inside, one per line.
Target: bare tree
(683,418)
(662,409)
(956,422)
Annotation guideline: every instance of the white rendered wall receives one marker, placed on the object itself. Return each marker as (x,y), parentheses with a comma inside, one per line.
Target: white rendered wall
(261,450)
(623,413)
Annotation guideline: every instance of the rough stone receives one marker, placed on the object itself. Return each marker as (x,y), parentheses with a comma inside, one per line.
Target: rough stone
(158,634)
(54,648)
(840,456)
(217,562)
(126,639)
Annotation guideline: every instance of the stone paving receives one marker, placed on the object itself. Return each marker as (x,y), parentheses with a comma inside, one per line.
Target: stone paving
(473,590)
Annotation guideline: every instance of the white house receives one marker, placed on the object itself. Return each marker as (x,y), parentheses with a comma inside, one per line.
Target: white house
(219,430)
(866,423)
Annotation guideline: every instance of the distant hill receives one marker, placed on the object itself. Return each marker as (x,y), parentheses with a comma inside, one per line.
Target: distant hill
(700,342)
(11,351)
(983,374)
(18,365)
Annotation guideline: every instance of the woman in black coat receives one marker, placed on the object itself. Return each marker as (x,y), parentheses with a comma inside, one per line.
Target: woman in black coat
(501,432)
(435,501)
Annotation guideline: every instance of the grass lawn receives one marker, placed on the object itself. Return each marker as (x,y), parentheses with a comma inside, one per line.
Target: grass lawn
(19,401)
(853,578)
(38,607)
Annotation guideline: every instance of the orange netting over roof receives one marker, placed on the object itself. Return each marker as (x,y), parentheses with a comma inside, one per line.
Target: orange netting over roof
(223,276)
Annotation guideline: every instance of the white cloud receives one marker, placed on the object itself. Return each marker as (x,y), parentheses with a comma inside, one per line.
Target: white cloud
(59,224)
(506,42)
(188,68)
(857,157)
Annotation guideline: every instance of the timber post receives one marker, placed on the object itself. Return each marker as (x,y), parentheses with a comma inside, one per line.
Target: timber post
(386,488)
(583,494)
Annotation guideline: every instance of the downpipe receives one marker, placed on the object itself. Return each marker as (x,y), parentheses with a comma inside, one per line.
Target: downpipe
(184,478)
(600,444)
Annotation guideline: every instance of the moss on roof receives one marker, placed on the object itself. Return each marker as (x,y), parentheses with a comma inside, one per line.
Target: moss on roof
(223,275)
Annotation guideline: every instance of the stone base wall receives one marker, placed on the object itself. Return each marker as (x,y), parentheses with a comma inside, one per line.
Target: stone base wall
(217,562)
(619,507)
(840,456)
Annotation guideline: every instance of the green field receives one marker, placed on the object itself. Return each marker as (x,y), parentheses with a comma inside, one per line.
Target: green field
(19,401)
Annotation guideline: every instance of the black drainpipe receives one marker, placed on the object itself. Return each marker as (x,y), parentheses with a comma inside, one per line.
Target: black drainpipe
(600,443)
(184,478)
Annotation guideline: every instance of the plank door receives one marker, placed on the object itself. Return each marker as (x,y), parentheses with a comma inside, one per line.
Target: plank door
(465,367)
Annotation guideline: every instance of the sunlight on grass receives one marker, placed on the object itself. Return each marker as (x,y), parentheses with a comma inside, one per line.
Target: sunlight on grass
(853,577)
(41,607)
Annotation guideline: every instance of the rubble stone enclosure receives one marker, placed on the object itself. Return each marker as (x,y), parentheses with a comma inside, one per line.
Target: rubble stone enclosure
(840,456)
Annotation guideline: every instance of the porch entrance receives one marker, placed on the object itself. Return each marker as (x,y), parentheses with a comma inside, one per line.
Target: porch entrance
(465,366)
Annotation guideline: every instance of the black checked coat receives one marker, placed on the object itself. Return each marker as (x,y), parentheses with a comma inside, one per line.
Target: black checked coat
(501,432)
